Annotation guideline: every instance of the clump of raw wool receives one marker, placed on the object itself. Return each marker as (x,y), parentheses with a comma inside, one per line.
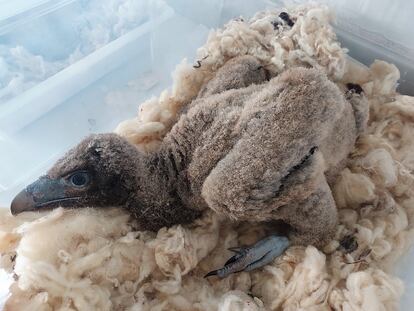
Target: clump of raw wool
(94,259)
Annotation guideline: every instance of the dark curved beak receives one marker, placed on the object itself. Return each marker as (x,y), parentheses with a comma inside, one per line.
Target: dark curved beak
(22,202)
(44,193)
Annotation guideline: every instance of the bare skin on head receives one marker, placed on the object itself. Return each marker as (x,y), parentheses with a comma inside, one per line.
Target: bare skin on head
(248,148)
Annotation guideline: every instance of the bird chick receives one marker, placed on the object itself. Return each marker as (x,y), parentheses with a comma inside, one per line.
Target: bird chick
(248,148)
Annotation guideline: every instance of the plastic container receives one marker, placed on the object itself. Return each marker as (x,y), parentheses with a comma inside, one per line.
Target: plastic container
(99,59)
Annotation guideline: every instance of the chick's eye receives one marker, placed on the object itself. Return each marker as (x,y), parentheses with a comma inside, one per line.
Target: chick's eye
(80,179)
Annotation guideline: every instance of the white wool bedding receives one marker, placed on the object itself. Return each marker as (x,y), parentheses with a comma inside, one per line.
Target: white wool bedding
(94,259)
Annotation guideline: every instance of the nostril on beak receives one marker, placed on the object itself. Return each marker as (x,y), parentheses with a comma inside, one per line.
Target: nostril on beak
(22,202)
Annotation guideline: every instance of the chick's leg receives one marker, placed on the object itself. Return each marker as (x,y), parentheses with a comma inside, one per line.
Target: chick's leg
(312,222)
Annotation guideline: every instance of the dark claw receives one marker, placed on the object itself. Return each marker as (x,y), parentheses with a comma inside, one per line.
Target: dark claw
(239,252)
(230,260)
(236,250)
(211,273)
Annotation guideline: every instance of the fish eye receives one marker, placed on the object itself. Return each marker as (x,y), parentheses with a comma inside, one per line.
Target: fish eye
(79,179)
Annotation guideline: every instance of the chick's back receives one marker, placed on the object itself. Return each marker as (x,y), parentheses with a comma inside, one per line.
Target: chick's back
(237,150)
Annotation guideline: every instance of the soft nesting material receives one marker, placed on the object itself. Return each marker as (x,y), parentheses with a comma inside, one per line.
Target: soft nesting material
(94,259)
